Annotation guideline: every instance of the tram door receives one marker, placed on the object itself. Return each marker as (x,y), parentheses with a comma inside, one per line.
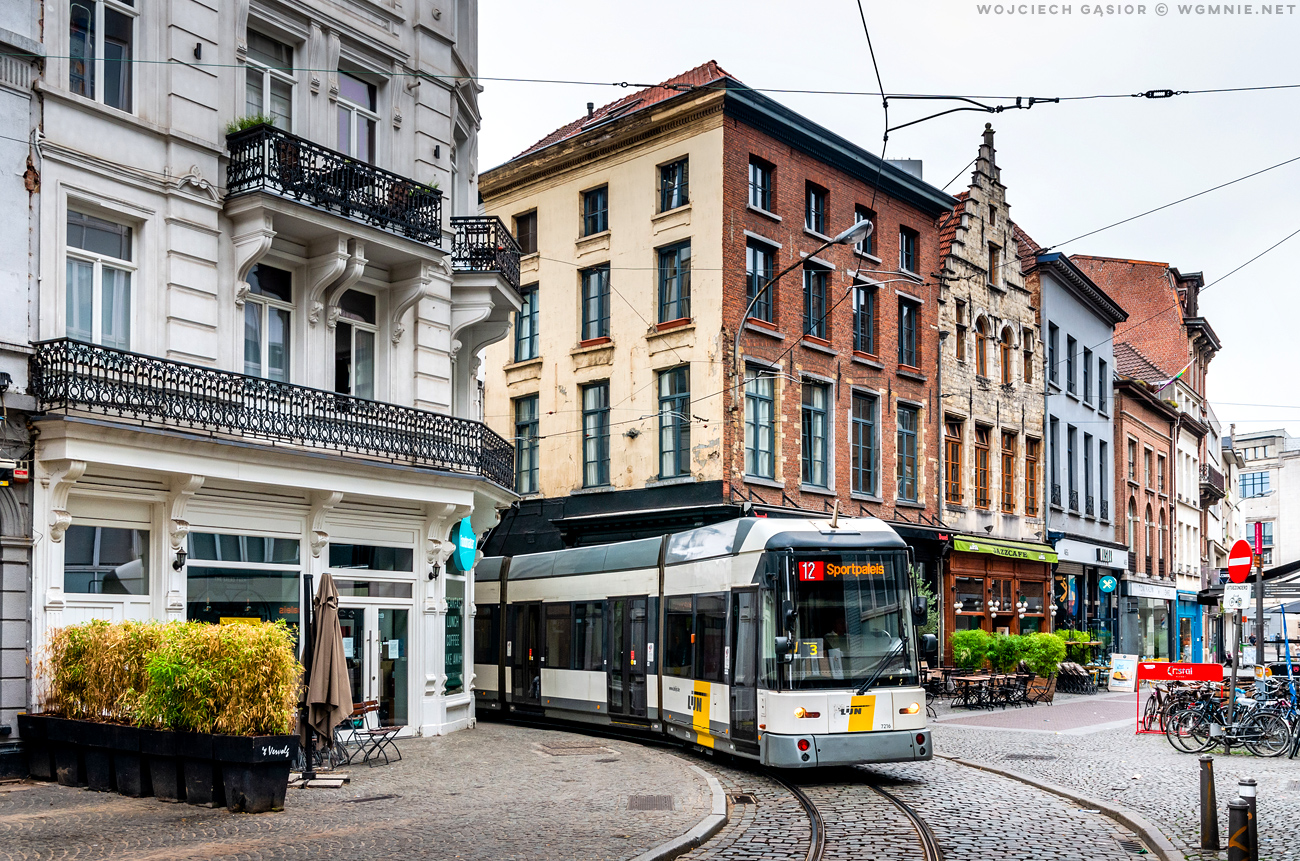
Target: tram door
(744,668)
(526,655)
(627,658)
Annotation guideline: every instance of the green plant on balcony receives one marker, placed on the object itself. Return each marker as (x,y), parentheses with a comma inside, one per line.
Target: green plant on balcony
(239,124)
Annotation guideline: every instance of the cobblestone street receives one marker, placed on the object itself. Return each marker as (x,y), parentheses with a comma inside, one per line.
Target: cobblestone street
(1110,763)
(491,793)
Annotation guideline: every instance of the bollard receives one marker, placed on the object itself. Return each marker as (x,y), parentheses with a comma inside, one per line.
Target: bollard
(1238,830)
(1209,806)
(1246,789)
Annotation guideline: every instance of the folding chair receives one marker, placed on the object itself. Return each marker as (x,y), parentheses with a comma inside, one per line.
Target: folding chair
(349,738)
(381,740)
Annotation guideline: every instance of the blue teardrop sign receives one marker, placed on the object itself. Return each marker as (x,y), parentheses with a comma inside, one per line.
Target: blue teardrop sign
(466,545)
(1107,583)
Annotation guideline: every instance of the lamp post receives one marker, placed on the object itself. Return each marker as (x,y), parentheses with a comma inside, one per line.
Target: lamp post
(853,235)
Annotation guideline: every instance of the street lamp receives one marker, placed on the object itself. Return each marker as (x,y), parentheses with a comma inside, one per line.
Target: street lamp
(852,236)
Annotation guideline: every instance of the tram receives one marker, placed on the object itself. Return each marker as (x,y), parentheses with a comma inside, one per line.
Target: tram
(788,641)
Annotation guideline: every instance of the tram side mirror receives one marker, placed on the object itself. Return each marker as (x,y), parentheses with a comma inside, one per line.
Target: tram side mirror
(930,647)
(784,649)
(920,610)
(787,609)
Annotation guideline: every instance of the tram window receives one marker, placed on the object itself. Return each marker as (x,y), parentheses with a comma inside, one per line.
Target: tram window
(710,632)
(680,634)
(559,632)
(767,635)
(487,634)
(589,636)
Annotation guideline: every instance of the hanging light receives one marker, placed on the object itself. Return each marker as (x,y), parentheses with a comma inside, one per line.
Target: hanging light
(957,605)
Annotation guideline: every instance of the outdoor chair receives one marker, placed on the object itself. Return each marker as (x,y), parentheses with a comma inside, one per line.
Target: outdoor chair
(1041,690)
(349,738)
(381,741)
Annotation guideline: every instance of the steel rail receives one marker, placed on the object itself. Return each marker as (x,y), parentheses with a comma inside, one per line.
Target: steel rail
(816,826)
(929,845)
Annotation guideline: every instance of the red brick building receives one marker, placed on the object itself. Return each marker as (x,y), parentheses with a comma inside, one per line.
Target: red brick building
(831,396)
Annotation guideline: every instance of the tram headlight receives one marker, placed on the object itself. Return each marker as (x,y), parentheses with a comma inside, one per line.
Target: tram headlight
(912,709)
(800,712)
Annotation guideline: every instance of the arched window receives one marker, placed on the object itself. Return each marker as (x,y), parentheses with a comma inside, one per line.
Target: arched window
(1134,536)
(1007,353)
(982,348)
(1151,540)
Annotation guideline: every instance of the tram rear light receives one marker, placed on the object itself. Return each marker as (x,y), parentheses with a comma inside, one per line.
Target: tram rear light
(920,738)
(803,744)
(910,710)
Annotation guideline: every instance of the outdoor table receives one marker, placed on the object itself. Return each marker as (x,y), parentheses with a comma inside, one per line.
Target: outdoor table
(971,691)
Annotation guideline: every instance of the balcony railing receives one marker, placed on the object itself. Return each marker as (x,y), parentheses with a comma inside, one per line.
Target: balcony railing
(1148,568)
(1074,500)
(1161,568)
(264,158)
(483,244)
(1056,494)
(1105,510)
(1088,507)
(1211,483)
(1132,562)
(69,375)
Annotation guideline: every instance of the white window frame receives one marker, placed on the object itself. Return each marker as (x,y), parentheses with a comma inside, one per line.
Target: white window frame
(266,302)
(98,261)
(256,67)
(373,328)
(357,110)
(97,49)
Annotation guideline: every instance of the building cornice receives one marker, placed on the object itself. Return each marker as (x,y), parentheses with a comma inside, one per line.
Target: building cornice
(1082,287)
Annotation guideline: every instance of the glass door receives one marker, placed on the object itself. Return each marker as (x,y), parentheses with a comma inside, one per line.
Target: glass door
(376,646)
(525,653)
(744,670)
(626,670)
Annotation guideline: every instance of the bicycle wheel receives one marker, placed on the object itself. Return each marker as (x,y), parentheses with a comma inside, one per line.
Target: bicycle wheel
(1266,734)
(1189,732)
(1150,713)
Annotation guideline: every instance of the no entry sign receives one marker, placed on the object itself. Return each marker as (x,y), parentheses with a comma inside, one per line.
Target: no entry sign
(1239,561)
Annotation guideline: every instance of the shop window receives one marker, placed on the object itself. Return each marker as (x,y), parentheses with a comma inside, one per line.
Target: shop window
(106,560)
(371,558)
(242,577)
(559,636)
(453,643)
(349,588)
(220,547)
(679,632)
(1032,595)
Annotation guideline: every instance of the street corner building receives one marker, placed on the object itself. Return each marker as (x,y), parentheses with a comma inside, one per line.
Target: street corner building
(695,344)
(265,282)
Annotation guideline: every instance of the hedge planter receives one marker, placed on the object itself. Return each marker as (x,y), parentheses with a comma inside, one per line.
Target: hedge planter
(130,766)
(158,747)
(255,770)
(97,740)
(40,756)
(65,737)
(203,786)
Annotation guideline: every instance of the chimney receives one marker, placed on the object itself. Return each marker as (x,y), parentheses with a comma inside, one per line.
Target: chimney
(591,109)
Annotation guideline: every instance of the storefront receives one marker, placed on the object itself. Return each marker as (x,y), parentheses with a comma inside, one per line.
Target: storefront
(1191,637)
(1147,620)
(135,536)
(997,586)
(1081,599)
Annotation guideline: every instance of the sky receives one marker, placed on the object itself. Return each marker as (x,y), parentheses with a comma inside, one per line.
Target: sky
(1069,168)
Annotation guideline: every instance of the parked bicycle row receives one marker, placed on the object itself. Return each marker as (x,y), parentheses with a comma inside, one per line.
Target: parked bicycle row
(1197,717)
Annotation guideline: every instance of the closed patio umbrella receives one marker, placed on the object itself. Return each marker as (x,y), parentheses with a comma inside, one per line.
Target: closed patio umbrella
(329,691)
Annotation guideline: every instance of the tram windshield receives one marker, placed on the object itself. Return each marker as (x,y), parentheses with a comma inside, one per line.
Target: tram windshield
(851,619)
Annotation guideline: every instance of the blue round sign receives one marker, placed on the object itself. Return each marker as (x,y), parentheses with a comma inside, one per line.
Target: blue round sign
(466,545)
(1107,583)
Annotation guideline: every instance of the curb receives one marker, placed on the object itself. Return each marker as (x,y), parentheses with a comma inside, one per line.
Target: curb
(703,830)
(1135,822)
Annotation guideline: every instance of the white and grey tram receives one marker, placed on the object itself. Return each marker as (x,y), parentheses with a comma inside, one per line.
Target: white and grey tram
(789,641)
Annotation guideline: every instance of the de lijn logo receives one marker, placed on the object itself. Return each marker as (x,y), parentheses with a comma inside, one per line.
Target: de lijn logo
(466,545)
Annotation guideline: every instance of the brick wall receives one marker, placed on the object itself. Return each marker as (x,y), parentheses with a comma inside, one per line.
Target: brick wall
(832,361)
(1136,418)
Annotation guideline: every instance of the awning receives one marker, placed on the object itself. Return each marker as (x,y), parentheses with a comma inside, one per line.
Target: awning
(1014,549)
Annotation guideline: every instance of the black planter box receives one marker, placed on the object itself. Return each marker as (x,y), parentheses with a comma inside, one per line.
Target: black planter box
(98,739)
(65,738)
(40,756)
(203,786)
(255,770)
(159,749)
(130,767)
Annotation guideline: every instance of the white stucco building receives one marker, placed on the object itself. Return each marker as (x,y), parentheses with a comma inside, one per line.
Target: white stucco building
(257,339)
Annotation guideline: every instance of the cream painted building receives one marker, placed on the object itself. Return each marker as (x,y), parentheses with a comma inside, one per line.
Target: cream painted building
(257,338)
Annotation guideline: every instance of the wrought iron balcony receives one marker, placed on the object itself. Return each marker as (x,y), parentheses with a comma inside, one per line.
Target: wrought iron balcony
(1161,568)
(1074,500)
(264,158)
(70,375)
(1105,510)
(1148,569)
(1088,507)
(483,244)
(1132,562)
(1212,489)
(1056,494)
